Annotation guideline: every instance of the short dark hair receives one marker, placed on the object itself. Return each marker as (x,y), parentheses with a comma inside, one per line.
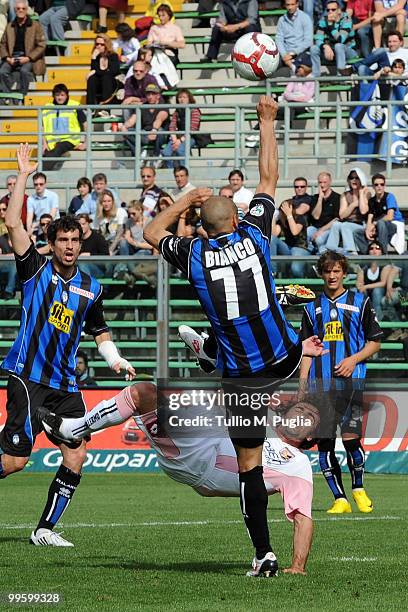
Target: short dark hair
(99,176)
(378,176)
(68,223)
(84,181)
(166,9)
(125,31)
(300,178)
(375,243)
(83,355)
(333,2)
(236,171)
(38,175)
(398,62)
(46,216)
(330,258)
(182,168)
(85,216)
(60,87)
(395,33)
(191,98)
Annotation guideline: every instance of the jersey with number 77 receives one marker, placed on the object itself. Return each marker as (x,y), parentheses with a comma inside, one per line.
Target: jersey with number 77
(233,279)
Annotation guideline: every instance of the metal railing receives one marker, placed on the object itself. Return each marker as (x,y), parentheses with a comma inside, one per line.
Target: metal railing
(326,140)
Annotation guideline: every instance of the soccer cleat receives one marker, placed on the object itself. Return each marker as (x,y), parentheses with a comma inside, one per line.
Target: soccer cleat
(340,506)
(293,295)
(46,537)
(195,343)
(52,424)
(265,568)
(363,502)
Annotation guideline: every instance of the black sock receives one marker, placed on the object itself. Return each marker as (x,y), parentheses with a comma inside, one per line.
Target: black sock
(331,468)
(60,494)
(210,345)
(355,461)
(254,503)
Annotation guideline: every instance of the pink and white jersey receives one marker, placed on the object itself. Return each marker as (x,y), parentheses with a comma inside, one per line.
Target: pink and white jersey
(209,465)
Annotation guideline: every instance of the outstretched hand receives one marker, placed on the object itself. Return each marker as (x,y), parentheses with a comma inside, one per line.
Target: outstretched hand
(314,347)
(267,108)
(23,157)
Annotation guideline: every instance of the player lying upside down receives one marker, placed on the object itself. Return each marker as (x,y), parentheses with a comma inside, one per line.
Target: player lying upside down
(208,463)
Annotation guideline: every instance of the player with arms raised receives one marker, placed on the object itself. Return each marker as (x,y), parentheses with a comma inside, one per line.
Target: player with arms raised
(58,301)
(232,275)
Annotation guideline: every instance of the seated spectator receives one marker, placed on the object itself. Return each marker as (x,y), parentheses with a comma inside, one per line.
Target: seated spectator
(150,191)
(301,201)
(63,124)
(374,279)
(101,83)
(294,33)
(118,6)
(396,71)
(242,196)
(93,243)
(167,35)
(100,184)
(41,235)
(300,91)
(132,242)
(110,220)
(152,9)
(58,15)
(325,207)
(309,7)
(4,9)
(159,66)
(237,17)
(353,212)
(181,177)
(176,146)
(22,50)
(84,187)
(83,379)
(383,57)
(42,201)
(153,120)
(292,227)
(10,184)
(8,271)
(384,10)
(334,40)
(127,43)
(361,13)
(135,90)
(385,222)
(3,227)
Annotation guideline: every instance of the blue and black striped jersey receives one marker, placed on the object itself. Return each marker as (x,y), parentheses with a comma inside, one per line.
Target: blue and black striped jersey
(233,279)
(344,324)
(54,311)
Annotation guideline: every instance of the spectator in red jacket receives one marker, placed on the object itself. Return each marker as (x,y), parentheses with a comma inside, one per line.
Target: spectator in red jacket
(10,184)
(361,12)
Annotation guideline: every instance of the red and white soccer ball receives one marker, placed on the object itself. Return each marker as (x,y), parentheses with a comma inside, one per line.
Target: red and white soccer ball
(255,56)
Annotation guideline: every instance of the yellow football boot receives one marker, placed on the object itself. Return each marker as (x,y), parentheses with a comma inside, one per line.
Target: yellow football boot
(340,506)
(363,502)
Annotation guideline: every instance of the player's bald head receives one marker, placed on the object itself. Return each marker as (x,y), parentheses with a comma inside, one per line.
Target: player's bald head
(219,214)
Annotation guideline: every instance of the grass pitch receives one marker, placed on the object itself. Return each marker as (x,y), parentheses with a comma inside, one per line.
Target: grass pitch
(143,542)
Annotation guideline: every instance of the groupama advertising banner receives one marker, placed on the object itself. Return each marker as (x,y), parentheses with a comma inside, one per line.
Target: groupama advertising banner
(124,448)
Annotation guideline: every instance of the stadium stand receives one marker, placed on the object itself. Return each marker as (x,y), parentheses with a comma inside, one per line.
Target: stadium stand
(317,139)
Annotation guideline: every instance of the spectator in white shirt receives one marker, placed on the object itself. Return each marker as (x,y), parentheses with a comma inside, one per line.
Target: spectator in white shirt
(181,176)
(41,202)
(242,196)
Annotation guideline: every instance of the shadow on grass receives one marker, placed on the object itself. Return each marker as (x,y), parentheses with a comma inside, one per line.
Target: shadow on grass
(132,565)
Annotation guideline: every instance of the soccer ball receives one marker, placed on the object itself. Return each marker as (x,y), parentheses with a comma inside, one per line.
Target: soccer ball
(255,56)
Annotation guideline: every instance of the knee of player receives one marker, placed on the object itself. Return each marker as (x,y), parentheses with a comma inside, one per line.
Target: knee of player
(144,397)
(12,464)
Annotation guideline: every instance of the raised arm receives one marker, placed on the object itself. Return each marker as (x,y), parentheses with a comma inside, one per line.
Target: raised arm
(268,161)
(157,228)
(19,237)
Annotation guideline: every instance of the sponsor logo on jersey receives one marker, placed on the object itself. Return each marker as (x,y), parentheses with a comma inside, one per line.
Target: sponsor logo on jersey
(348,307)
(61,317)
(333,332)
(54,279)
(64,297)
(258,210)
(333,314)
(318,310)
(83,292)
(16,439)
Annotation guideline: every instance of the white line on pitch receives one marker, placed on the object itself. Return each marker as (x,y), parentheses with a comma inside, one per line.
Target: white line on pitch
(196,523)
(355,559)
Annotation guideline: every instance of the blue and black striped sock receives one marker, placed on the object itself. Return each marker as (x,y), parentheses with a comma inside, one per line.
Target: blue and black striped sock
(60,494)
(355,462)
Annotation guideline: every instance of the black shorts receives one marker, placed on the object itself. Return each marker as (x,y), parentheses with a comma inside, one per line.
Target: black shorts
(22,427)
(248,416)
